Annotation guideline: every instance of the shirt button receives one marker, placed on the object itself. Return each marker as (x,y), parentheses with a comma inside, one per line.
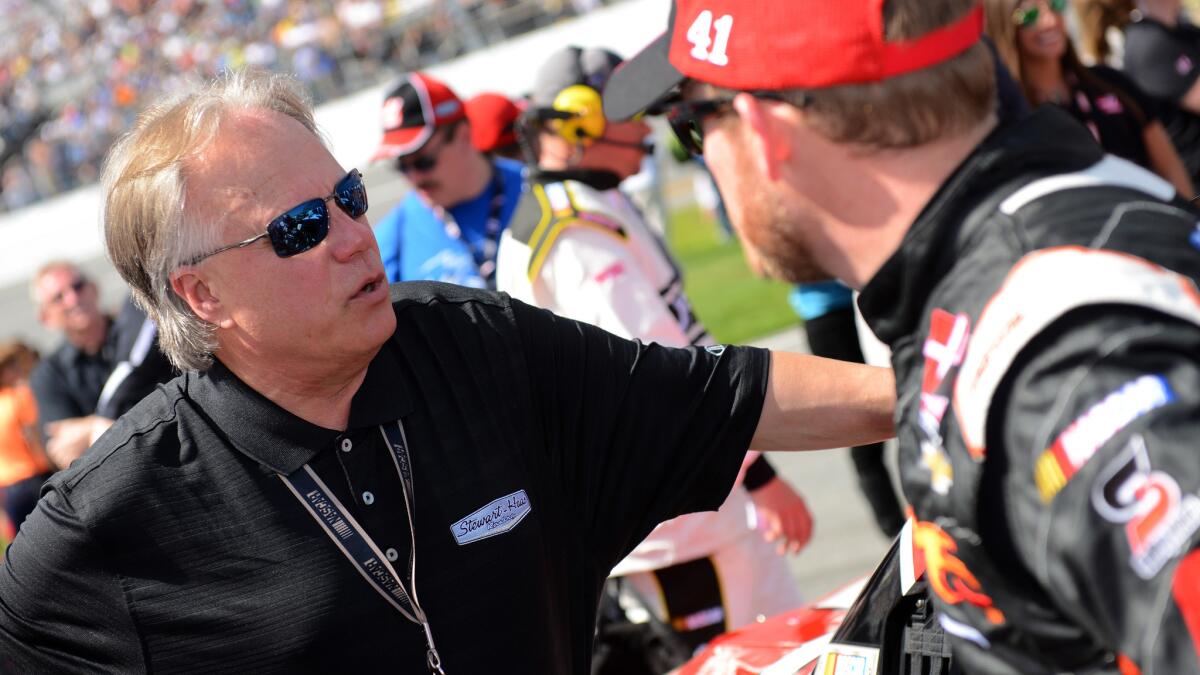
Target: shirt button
(346,445)
(391,554)
(368,498)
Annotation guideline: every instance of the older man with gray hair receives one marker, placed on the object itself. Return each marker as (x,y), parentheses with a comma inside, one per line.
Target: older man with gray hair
(347,478)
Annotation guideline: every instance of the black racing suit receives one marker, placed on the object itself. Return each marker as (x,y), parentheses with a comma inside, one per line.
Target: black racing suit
(1044,325)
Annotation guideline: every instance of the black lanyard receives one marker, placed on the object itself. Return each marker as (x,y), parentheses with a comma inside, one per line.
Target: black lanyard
(357,545)
(484,254)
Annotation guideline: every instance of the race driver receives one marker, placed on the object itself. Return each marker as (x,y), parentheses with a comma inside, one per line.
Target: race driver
(1039,297)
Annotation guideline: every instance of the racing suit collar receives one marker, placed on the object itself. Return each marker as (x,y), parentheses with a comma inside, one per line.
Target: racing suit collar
(1045,142)
(596,178)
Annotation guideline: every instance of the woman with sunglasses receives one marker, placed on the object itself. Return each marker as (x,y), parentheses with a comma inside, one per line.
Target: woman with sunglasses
(1031,38)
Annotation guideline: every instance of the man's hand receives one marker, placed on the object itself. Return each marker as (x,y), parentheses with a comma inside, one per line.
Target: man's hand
(785,514)
(68,439)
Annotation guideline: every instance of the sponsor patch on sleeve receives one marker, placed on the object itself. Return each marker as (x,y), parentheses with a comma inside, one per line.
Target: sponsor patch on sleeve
(1037,292)
(1096,426)
(948,575)
(1159,519)
(944,349)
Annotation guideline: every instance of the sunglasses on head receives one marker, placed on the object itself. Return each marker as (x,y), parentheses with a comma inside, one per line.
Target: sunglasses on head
(305,225)
(1028,16)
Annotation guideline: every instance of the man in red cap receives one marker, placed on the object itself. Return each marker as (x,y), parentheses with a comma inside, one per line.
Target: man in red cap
(1039,298)
(493,120)
(448,227)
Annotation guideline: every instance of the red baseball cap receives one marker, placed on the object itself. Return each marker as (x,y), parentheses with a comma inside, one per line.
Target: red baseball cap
(492,117)
(416,106)
(761,45)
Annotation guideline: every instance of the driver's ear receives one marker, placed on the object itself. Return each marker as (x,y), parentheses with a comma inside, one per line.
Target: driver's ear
(769,134)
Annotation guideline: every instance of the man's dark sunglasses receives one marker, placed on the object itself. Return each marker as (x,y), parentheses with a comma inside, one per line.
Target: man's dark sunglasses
(687,118)
(77,285)
(304,226)
(428,160)
(424,164)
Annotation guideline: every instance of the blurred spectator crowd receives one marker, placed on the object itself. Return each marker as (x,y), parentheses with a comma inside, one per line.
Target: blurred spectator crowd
(73,73)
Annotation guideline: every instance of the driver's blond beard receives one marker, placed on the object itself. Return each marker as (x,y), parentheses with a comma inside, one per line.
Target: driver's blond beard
(779,242)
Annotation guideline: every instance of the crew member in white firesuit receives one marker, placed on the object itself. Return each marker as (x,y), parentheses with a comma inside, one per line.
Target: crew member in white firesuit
(578,247)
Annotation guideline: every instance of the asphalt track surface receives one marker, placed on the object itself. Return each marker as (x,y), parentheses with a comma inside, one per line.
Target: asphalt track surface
(845,545)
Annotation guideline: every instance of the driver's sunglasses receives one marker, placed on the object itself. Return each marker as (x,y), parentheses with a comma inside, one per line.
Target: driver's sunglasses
(686,118)
(1028,17)
(304,226)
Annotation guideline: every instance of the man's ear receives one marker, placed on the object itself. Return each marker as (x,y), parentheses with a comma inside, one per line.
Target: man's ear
(199,295)
(767,132)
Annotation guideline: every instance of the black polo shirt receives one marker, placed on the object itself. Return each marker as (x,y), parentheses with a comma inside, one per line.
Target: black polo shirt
(1103,106)
(1165,63)
(175,546)
(68,382)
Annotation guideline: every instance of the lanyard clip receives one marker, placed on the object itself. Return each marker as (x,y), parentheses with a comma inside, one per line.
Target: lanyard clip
(434,661)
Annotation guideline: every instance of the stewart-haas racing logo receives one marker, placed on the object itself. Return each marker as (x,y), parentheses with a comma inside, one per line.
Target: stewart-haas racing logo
(497,517)
(943,350)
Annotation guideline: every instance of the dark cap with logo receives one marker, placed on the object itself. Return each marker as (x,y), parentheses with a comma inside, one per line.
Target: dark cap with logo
(412,110)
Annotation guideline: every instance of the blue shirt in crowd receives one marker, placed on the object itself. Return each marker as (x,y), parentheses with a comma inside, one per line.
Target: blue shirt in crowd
(416,243)
(811,301)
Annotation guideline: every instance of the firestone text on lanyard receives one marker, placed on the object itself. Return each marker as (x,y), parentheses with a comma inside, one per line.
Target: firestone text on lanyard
(358,546)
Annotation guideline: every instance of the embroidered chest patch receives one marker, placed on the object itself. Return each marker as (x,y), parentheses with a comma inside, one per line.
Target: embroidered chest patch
(496,517)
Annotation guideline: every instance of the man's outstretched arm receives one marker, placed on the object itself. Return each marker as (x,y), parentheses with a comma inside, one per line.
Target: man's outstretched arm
(815,403)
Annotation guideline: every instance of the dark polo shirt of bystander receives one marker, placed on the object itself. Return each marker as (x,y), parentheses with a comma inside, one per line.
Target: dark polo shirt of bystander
(67,383)
(542,451)
(1165,63)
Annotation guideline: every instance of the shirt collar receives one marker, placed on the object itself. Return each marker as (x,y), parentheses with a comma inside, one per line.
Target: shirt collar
(71,353)
(1045,142)
(599,179)
(276,438)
